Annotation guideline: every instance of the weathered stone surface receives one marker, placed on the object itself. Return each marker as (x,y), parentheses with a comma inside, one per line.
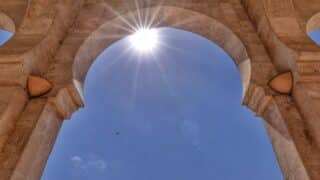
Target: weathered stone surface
(314,23)
(60,39)
(6,23)
(8,118)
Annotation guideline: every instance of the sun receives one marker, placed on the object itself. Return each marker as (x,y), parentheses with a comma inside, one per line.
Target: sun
(145,40)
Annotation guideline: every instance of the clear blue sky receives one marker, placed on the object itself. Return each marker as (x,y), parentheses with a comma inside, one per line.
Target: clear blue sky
(183,122)
(315,36)
(4,36)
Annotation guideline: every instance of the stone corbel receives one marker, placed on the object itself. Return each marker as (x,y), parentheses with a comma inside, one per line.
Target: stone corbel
(282,83)
(66,102)
(38,86)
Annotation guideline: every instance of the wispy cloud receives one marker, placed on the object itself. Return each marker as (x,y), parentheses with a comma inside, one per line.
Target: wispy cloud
(190,129)
(89,164)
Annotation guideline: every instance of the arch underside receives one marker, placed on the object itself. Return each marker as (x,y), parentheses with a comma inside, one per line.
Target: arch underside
(313,23)
(6,23)
(167,16)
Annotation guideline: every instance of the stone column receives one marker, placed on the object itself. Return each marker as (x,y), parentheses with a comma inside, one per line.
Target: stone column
(37,130)
(307,96)
(12,104)
(280,114)
(13,101)
(285,127)
(19,137)
(28,125)
(37,149)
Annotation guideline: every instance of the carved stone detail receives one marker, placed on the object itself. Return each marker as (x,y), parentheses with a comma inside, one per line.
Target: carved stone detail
(282,83)
(38,86)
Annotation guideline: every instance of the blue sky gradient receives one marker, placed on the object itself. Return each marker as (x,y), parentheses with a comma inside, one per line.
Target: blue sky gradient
(175,116)
(5,36)
(315,36)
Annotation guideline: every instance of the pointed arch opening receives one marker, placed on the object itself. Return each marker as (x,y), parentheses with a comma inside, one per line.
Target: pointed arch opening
(174,114)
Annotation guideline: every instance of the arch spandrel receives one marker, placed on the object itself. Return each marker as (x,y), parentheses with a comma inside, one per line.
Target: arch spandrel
(287,25)
(280,27)
(305,9)
(39,32)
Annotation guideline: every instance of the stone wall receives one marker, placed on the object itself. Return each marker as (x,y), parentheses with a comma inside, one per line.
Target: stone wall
(58,40)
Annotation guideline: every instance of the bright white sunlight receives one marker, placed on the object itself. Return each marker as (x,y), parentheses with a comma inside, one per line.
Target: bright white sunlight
(145,40)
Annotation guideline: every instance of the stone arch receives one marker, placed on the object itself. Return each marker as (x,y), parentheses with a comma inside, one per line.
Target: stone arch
(313,23)
(281,26)
(305,10)
(6,23)
(15,10)
(39,31)
(210,28)
(284,17)
(237,36)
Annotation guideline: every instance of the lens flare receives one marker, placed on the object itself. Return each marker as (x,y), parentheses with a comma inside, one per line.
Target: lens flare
(145,40)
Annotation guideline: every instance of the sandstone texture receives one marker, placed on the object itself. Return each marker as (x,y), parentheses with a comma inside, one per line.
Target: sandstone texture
(44,65)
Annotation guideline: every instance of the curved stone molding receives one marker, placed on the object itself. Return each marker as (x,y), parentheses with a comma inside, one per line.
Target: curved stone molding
(283,18)
(314,23)
(15,9)
(210,28)
(41,32)
(305,10)
(66,102)
(15,106)
(6,23)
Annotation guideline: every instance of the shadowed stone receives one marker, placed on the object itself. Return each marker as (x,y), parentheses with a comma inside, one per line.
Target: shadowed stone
(282,83)
(38,86)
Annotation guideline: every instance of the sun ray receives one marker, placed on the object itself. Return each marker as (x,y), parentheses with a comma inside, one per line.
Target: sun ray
(118,15)
(140,24)
(110,36)
(122,27)
(117,59)
(135,81)
(154,15)
(134,19)
(176,98)
(165,45)
(164,76)
(144,38)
